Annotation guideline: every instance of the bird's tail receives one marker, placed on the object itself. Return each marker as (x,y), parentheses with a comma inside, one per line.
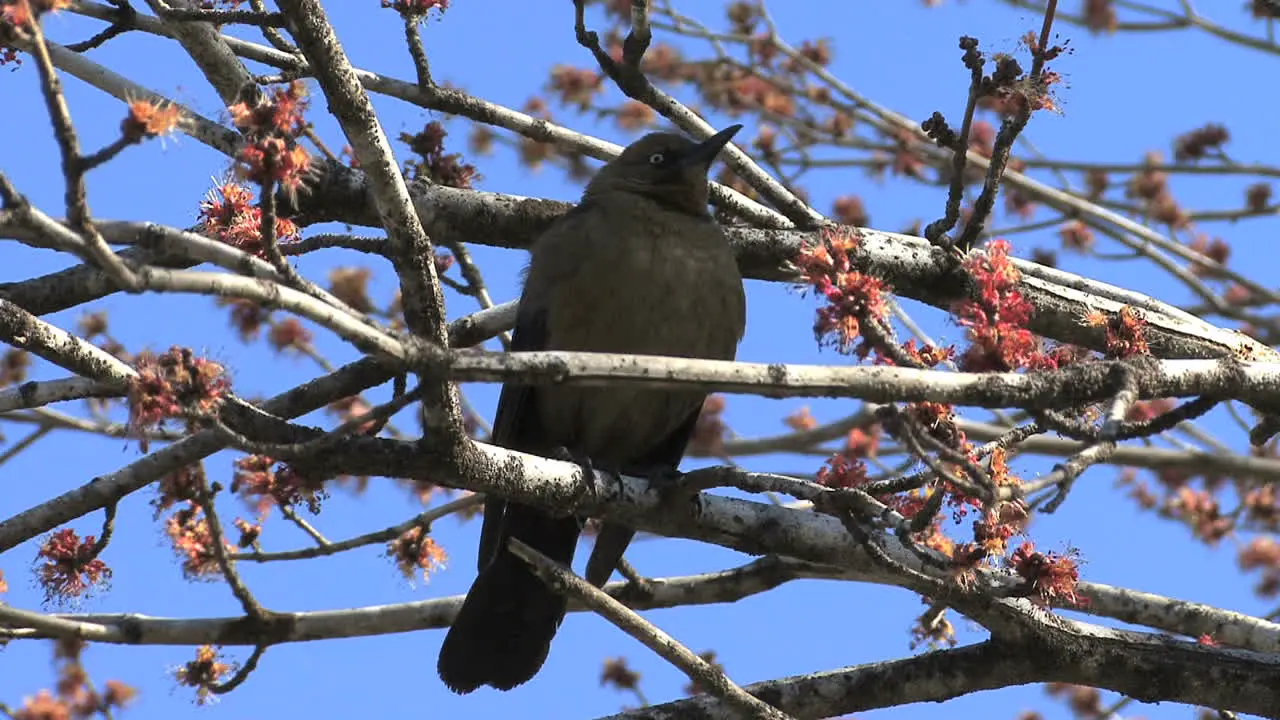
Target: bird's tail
(503,631)
(611,543)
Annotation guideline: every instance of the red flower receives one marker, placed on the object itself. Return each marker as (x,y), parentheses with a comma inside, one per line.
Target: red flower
(71,567)
(1051,576)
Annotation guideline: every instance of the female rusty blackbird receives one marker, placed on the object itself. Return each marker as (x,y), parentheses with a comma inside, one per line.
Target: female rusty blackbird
(638,267)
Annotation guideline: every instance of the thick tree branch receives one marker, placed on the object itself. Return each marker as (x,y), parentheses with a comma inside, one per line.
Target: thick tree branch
(1170,615)
(204,44)
(35,394)
(135,629)
(907,263)
(1073,385)
(348,380)
(943,675)
(24,330)
(423,301)
(106,489)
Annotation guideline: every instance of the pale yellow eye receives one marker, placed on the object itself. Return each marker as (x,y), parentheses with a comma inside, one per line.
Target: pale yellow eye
(657,159)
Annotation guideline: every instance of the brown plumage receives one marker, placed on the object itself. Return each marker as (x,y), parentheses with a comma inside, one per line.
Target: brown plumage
(637,267)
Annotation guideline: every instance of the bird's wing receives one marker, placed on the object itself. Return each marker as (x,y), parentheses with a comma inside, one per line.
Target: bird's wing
(613,539)
(513,423)
(667,454)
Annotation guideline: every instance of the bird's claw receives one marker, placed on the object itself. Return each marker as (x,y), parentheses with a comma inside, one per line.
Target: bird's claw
(665,478)
(564,454)
(669,483)
(583,461)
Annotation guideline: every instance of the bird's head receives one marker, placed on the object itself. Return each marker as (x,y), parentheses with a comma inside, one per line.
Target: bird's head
(666,167)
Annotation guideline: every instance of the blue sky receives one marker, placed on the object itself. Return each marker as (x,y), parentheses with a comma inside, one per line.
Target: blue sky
(1121,97)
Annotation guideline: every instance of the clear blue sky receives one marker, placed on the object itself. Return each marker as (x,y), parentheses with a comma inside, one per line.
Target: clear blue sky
(1122,96)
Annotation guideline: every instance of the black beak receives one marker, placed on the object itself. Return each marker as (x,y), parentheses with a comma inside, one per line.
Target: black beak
(705,152)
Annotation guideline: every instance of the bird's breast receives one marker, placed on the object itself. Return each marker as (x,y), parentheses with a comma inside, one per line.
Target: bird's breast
(652,301)
(656,290)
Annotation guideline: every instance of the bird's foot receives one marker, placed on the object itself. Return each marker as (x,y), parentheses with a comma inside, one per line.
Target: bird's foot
(582,460)
(589,468)
(663,479)
(564,454)
(671,484)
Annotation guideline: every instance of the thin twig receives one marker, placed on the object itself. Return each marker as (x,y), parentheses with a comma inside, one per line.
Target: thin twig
(242,673)
(73,166)
(423,520)
(226,563)
(699,671)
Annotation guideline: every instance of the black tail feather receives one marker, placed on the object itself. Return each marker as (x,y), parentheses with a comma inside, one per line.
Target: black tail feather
(503,632)
(611,543)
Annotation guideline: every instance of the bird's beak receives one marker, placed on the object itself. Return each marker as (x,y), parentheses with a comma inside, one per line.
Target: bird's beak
(705,152)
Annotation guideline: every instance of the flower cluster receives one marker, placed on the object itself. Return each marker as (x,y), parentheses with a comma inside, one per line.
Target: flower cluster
(204,672)
(349,408)
(1126,331)
(229,215)
(436,165)
(1052,577)
(707,439)
(852,298)
(575,86)
(74,696)
(192,540)
(272,122)
(997,319)
(1151,187)
(172,385)
(1011,92)
(69,567)
(619,675)
(262,484)
(1214,250)
(415,550)
(1263,554)
(416,8)
(18,15)
(290,333)
(351,286)
(13,366)
(843,471)
(1200,143)
(1198,503)
(180,486)
(148,119)
(247,317)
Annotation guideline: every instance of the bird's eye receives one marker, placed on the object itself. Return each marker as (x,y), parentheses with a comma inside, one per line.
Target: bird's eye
(657,159)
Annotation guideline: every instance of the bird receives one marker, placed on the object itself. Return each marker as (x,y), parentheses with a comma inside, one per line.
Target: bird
(639,266)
